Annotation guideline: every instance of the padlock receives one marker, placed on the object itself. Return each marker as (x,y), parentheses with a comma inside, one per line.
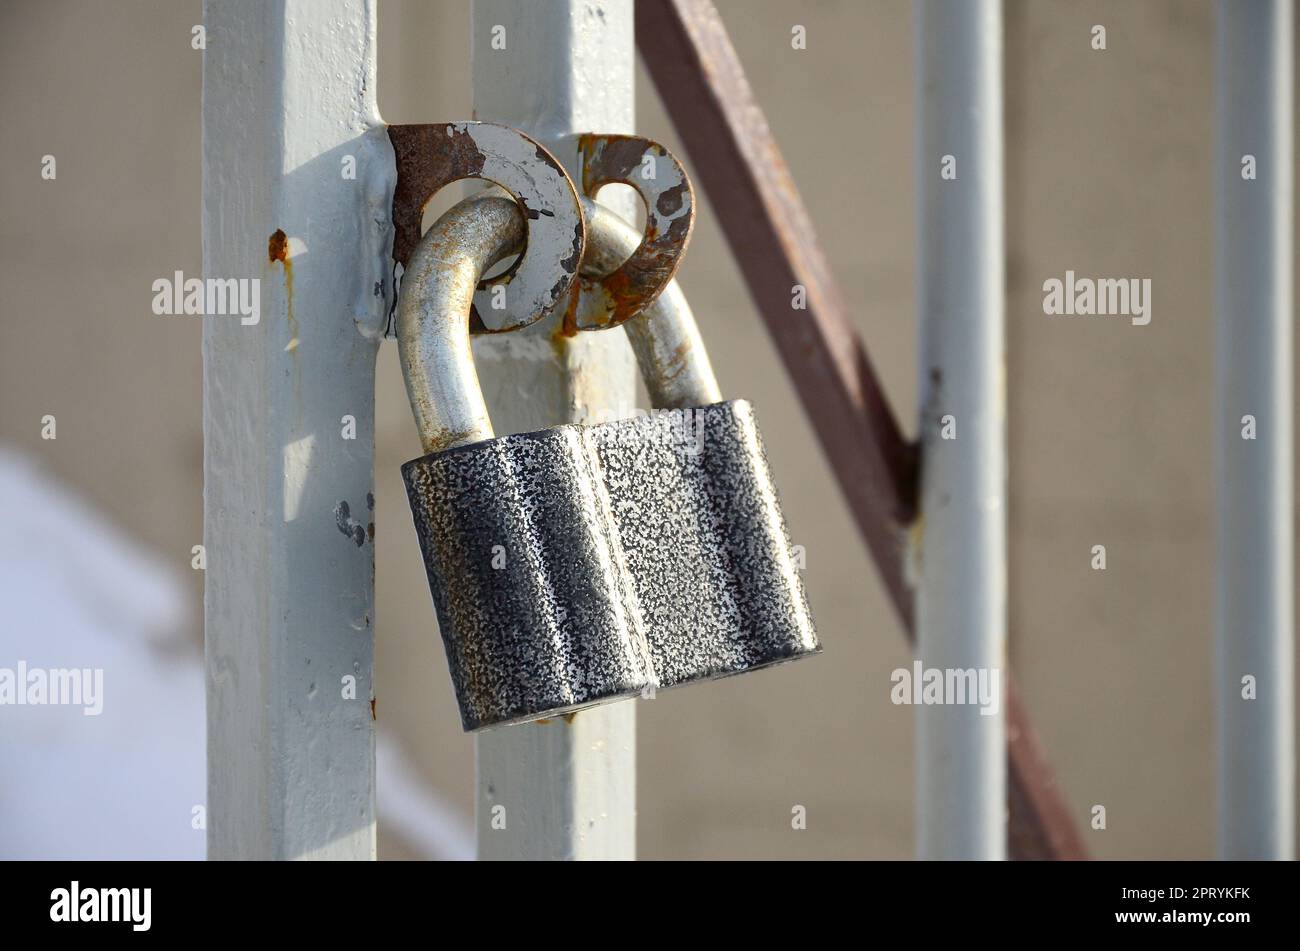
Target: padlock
(536,606)
(698,517)
(582,564)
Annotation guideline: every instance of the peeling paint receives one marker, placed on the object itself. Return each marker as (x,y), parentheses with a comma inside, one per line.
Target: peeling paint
(348,525)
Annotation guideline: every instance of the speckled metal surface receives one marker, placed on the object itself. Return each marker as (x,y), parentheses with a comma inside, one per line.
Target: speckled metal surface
(582,564)
(537,610)
(702,532)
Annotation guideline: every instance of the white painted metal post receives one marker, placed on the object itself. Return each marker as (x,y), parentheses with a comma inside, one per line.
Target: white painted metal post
(297,181)
(961,595)
(564,789)
(1254,622)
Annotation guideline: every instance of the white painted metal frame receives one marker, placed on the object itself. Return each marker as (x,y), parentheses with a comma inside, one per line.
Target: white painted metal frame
(564,789)
(289,102)
(288,105)
(289,111)
(961,593)
(1254,610)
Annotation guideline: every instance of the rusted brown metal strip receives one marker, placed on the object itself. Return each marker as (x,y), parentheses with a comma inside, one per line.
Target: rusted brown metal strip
(687,51)
(1041,825)
(689,55)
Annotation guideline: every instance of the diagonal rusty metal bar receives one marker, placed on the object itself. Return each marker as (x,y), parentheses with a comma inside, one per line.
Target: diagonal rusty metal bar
(700,80)
(689,56)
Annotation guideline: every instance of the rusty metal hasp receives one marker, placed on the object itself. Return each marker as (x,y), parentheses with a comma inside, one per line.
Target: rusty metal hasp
(432,156)
(665,190)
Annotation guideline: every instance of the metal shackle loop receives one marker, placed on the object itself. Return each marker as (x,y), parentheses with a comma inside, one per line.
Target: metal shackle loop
(433,318)
(664,335)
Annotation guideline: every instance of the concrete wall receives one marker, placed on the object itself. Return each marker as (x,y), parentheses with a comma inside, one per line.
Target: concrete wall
(1108,174)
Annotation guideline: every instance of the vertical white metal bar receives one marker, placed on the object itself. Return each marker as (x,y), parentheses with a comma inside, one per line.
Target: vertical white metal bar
(564,789)
(297,180)
(961,594)
(1254,622)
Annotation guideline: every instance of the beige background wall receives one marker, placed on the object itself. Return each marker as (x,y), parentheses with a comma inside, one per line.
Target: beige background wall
(1108,173)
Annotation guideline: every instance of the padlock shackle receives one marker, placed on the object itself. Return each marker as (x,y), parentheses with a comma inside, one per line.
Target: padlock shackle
(433,318)
(664,336)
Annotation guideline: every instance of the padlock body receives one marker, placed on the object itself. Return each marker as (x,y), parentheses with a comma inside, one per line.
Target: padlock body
(536,606)
(700,526)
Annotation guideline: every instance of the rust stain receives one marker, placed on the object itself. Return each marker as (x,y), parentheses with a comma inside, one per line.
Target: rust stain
(277,248)
(428,157)
(444,439)
(560,341)
(567,327)
(672,368)
(624,290)
(292,345)
(373,715)
(586,145)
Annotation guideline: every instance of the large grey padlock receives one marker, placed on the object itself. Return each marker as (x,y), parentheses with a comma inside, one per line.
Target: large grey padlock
(537,609)
(578,565)
(698,518)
